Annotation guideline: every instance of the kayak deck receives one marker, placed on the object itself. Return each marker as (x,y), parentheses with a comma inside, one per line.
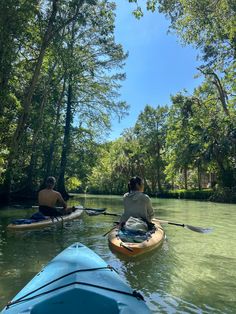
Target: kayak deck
(133,249)
(47,222)
(77,281)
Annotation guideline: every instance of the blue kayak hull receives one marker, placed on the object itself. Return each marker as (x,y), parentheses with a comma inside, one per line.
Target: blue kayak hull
(77,281)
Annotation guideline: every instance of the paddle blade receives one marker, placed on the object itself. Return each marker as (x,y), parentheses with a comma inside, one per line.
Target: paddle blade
(99,210)
(93,213)
(192,228)
(198,229)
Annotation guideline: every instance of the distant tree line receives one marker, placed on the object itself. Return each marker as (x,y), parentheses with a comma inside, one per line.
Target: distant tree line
(192,143)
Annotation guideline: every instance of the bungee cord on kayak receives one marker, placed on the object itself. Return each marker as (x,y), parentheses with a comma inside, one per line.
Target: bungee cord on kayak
(59,278)
(135,294)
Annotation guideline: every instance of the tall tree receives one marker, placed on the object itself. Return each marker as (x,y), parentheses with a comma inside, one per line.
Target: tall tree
(91,89)
(53,18)
(150,129)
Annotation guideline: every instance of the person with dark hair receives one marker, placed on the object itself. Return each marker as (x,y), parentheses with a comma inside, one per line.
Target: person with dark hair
(48,198)
(136,203)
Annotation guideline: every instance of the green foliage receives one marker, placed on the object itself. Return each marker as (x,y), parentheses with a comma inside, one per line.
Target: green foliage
(72,184)
(3,154)
(138,13)
(150,130)
(49,47)
(116,163)
(205,194)
(224,195)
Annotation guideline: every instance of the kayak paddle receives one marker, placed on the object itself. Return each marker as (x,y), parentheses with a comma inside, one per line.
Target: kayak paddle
(192,228)
(113,228)
(99,210)
(91,212)
(126,247)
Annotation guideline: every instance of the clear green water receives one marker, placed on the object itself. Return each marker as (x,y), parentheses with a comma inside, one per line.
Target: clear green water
(190,273)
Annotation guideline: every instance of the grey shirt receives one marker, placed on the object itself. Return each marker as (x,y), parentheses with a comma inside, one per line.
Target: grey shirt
(137,204)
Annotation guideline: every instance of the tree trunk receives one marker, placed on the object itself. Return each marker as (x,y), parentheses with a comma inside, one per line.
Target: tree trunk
(54,134)
(33,158)
(220,88)
(185,178)
(66,143)
(172,184)
(199,178)
(159,168)
(52,145)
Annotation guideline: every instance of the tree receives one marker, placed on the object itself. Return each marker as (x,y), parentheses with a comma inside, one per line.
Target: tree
(94,51)
(52,18)
(65,68)
(150,129)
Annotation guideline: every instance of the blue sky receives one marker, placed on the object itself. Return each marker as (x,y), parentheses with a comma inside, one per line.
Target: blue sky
(158,65)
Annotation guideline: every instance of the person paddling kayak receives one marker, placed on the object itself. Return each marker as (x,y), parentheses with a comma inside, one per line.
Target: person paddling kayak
(136,203)
(48,198)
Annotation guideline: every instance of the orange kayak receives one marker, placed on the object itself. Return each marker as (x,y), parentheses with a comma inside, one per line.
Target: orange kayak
(153,241)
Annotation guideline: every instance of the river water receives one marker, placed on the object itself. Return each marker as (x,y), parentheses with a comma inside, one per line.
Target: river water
(190,273)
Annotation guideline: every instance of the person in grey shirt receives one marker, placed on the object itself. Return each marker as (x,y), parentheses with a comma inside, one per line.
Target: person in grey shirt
(136,203)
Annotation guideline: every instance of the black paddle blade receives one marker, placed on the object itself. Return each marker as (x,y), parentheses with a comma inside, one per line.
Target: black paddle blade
(99,210)
(198,229)
(93,213)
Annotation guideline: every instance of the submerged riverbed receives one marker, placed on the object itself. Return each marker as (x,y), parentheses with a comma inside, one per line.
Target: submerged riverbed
(190,273)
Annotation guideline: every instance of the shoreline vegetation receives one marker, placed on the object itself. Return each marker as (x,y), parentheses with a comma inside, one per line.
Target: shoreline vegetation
(60,79)
(219,195)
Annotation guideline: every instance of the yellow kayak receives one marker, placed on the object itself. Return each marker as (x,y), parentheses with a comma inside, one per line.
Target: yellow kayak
(154,240)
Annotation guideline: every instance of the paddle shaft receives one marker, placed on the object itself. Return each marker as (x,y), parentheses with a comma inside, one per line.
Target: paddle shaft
(126,247)
(192,228)
(111,214)
(170,223)
(189,227)
(113,228)
(81,208)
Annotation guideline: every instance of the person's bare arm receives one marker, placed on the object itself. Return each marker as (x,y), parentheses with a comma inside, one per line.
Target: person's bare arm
(61,201)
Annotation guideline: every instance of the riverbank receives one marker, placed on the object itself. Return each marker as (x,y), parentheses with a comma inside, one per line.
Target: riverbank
(220,195)
(204,195)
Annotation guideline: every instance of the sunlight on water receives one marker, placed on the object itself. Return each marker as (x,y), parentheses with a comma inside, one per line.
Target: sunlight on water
(190,273)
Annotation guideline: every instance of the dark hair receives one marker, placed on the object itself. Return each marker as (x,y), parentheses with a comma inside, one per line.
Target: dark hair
(132,185)
(51,181)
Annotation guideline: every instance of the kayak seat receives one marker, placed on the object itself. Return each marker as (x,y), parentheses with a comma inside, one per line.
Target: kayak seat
(132,236)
